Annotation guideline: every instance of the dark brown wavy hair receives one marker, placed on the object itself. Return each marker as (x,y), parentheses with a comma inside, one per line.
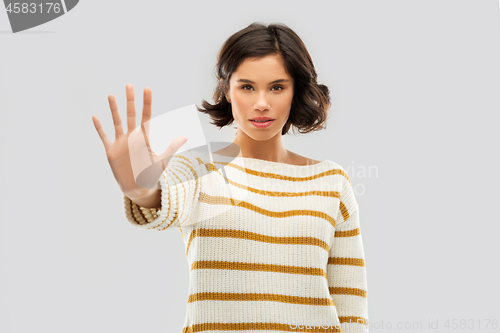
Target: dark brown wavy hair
(311,101)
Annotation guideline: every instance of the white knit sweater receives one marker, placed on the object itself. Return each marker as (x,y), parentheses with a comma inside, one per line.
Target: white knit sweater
(271,247)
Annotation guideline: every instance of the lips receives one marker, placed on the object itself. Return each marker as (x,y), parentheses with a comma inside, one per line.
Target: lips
(261,124)
(261,119)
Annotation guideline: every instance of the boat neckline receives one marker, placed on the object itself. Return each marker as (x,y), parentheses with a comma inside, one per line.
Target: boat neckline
(274,163)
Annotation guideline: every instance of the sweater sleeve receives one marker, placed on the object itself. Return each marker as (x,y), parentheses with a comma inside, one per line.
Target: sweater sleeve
(346,268)
(180,189)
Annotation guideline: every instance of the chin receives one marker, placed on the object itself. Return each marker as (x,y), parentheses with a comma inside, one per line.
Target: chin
(262,136)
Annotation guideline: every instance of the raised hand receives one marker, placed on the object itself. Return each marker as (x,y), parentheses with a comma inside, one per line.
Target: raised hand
(131,152)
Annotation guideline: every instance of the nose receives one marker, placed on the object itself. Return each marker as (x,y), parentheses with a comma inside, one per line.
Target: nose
(262,103)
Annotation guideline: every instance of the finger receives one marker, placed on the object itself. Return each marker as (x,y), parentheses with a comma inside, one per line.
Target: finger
(97,124)
(146,117)
(117,120)
(130,107)
(146,109)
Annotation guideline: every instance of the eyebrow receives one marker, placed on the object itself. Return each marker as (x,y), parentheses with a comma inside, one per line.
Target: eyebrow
(275,81)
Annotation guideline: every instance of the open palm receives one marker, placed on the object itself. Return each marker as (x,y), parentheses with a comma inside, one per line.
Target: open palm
(136,167)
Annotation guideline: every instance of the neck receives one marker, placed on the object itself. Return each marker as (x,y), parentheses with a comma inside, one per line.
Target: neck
(269,150)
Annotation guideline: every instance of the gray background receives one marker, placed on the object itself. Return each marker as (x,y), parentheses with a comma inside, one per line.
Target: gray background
(414,86)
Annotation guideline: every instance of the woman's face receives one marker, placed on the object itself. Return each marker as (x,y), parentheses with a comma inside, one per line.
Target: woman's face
(261,88)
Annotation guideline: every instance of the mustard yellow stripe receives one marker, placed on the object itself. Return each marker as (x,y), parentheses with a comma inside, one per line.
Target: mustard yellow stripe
(211,167)
(245,266)
(259,327)
(142,215)
(348,233)
(218,200)
(353,319)
(343,210)
(347,291)
(248,297)
(346,261)
(333,194)
(240,234)
(131,207)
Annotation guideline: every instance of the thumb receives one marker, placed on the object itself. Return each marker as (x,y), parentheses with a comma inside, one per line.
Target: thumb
(172,149)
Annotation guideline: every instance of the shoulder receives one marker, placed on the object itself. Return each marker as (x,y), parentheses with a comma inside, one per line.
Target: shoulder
(348,201)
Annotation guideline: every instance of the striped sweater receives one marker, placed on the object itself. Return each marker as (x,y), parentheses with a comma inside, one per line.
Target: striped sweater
(271,246)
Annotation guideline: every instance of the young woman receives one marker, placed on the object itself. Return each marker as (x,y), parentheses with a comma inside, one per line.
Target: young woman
(273,243)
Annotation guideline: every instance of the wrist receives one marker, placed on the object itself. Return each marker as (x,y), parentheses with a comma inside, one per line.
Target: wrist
(141,193)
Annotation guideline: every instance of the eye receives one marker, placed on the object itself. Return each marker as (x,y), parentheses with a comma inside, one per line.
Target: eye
(250,87)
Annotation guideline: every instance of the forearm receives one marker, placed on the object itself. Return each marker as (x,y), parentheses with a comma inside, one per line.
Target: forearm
(170,205)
